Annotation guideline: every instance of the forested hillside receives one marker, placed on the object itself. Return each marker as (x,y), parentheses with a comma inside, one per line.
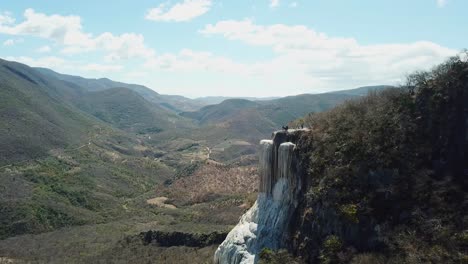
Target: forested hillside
(386,175)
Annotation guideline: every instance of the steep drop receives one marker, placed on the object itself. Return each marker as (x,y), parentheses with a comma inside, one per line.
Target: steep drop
(265,224)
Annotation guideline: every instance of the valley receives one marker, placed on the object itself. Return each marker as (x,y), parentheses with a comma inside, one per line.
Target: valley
(233,132)
(93,170)
(98,159)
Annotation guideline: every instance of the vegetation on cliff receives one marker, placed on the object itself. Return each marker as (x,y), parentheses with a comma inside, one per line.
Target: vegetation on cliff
(386,175)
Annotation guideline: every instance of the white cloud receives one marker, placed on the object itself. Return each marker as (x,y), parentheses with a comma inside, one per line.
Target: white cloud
(125,46)
(9,42)
(293,4)
(304,60)
(442,3)
(184,11)
(274,3)
(312,58)
(68,31)
(280,37)
(188,60)
(6,18)
(44,49)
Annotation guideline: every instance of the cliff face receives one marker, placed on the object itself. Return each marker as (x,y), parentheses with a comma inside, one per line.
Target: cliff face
(265,225)
(387,175)
(381,179)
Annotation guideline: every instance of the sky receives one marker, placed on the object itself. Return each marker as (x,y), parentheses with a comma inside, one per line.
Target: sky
(259,48)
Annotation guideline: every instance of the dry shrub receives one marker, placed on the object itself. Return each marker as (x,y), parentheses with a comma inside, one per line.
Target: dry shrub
(209,182)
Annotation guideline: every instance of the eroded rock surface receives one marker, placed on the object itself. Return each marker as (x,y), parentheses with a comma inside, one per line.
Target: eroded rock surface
(265,224)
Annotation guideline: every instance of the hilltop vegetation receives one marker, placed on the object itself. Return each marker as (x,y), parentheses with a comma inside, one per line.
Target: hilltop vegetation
(127,110)
(387,175)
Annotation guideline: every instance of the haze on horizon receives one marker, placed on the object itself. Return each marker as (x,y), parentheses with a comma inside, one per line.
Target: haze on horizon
(199,48)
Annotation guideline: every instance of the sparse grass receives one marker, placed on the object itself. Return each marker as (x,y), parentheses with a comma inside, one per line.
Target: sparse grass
(113,242)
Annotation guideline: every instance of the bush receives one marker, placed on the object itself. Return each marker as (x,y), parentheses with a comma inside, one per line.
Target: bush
(268,256)
(330,249)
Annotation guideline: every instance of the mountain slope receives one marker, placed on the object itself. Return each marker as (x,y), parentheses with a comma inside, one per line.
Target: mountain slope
(98,84)
(60,166)
(211,100)
(277,111)
(220,112)
(232,128)
(169,102)
(128,110)
(283,110)
(40,112)
(34,116)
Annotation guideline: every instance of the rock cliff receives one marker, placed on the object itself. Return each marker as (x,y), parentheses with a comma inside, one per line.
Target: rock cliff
(265,224)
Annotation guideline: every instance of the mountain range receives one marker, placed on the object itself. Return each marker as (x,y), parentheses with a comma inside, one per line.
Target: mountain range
(78,152)
(42,109)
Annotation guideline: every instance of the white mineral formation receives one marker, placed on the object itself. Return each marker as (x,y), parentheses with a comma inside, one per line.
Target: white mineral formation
(265,224)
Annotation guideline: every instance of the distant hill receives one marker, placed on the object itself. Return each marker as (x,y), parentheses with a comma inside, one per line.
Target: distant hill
(178,103)
(362,91)
(128,110)
(97,84)
(210,100)
(65,158)
(41,110)
(220,112)
(283,110)
(138,109)
(34,113)
(277,111)
(233,127)
(174,103)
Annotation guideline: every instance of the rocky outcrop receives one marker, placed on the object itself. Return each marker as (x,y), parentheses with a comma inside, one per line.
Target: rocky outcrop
(265,224)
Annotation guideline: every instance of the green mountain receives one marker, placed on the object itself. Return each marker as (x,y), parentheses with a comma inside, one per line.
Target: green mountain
(40,112)
(125,109)
(277,111)
(169,102)
(232,128)
(283,110)
(34,114)
(65,155)
(211,100)
(220,112)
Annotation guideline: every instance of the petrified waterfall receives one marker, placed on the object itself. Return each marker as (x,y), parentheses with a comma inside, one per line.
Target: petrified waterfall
(265,224)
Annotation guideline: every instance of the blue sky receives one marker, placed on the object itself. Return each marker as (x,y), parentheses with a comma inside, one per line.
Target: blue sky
(235,48)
